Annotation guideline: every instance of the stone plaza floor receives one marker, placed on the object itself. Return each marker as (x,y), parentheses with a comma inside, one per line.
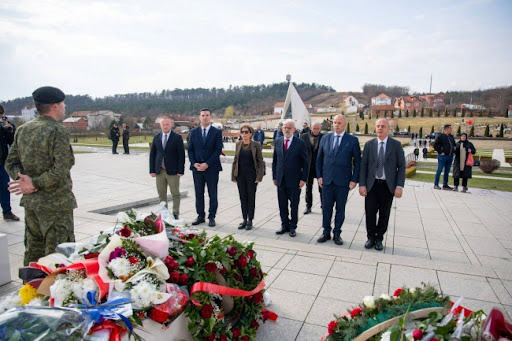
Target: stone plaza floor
(461,243)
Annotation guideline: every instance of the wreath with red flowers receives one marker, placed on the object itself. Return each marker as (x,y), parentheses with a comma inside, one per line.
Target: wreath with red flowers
(215,260)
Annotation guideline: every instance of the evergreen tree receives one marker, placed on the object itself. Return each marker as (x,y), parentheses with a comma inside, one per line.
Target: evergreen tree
(446,113)
(422,112)
(414,113)
(455,112)
(361,115)
(400,113)
(458,131)
(385,113)
(432,130)
(421,132)
(471,114)
(407,113)
(392,114)
(348,127)
(480,114)
(501,130)
(409,129)
(438,113)
(486,134)
(357,127)
(463,113)
(397,129)
(431,114)
(472,131)
(366,128)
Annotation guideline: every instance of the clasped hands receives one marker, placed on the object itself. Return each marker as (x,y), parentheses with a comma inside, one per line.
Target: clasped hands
(22,186)
(201,167)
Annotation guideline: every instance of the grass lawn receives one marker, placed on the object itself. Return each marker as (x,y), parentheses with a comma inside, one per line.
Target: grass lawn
(501,185)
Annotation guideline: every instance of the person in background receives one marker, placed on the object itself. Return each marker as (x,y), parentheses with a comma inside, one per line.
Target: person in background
(114,136)
(40,162)
(247,171)
(416,153)
(460,170)
(259,135)
(313,139)
(278,132)
(305,128)
(425,152)
(444,145)
(126,137)
(7,130)
(167,163)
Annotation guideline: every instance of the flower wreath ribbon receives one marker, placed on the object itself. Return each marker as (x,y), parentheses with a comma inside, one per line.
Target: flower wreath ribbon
(222,290)
(91,267)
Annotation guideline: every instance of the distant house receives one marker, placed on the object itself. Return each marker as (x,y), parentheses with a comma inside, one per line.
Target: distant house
(433,101)
(381,99)
(96,119)
(279,106)
(379,110)
(28,113)
(75,124)
(408,103)
(351,104)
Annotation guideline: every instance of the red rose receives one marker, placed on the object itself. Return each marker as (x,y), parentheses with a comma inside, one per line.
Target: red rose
(250,254)
(210,337)
(232,251)
(190,261)
(191,236)
(169,259)
(332,327)
(253,272)
(417,334)
(174,277)
(222,338)
(258,297)
(223,271)
(125,231)
(245,338)
(206,311)
(397,292)
(356,311)
(91,255)
(236,333)
(241,262)
(172,266)
(255,325)
(238,277)
(133,260)
(147,221)
(183,279)
(211,267)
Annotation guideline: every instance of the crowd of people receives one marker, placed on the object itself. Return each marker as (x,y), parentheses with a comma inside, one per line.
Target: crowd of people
(39,157)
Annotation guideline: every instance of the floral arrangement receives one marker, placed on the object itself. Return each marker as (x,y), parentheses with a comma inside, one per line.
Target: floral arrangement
(376,310)
(27,295)
(71,288)
(125,260)
(224,261)
(135,224)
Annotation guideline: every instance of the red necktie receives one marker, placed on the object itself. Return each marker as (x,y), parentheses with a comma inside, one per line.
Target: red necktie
(286,144)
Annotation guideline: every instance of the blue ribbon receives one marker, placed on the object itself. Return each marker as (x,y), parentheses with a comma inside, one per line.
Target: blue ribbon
(99,312)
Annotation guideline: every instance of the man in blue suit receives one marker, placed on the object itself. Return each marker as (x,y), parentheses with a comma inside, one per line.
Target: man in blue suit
(289,173)
(204,149)
(167,163)
(259,135)
(337,169)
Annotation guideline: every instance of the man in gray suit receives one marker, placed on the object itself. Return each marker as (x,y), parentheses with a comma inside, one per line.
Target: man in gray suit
(382,176)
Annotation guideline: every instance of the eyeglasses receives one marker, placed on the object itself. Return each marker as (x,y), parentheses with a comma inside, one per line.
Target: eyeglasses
(245,132)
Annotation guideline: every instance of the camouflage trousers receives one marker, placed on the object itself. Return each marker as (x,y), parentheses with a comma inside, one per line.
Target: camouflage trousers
(44,230)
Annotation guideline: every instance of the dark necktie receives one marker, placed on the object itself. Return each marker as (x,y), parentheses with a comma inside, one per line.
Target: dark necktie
(380,162)
(165,141)
(204,135)
(286,144)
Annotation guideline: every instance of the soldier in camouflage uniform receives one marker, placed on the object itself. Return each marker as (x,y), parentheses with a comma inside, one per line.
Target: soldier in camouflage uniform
(40,160)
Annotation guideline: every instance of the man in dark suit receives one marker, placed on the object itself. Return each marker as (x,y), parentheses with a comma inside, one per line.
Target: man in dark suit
(337,170)
(204,149)
(289,173)
(444,145)
(382,176)
(259,135)
(126,138)
(114,136)
(167,163)
(278,132)
(312,138)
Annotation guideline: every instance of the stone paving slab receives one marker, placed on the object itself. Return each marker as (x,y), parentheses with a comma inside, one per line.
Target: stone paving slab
(460,243)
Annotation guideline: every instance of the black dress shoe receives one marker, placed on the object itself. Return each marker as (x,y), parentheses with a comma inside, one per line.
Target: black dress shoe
(323,238)
(307,211)
(378,245)
(242,225)
(293,233)
(282,231)
(198,221)
(11,216)
(176,217)
(369,244)
(249,225)
(211,222)
(338,240)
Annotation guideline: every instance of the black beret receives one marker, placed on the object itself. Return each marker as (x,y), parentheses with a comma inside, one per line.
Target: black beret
(48,95)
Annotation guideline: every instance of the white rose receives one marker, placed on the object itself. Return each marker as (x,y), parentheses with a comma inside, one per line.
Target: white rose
(386,336)
(386,297)
(369,301)
(123,217)
(412,290)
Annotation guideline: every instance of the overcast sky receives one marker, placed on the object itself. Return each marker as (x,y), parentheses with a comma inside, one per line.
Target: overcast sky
(110,47)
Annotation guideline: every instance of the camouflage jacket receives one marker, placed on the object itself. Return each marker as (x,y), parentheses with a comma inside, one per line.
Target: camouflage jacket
(41,150)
